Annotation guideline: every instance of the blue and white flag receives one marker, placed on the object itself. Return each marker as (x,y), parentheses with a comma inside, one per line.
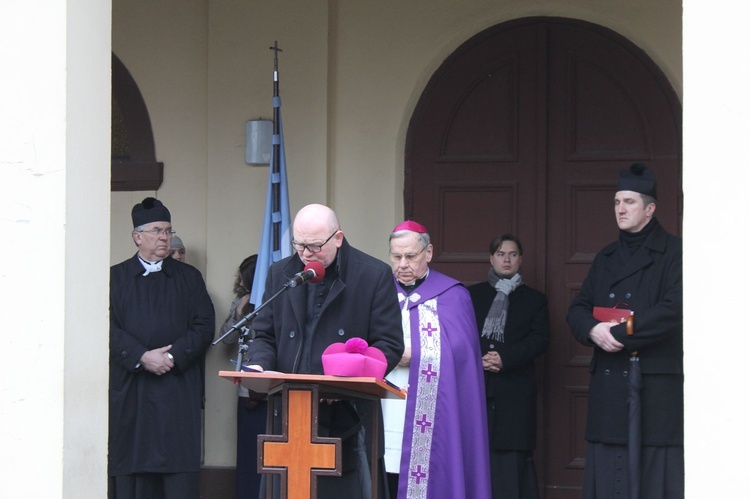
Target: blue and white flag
(275,241)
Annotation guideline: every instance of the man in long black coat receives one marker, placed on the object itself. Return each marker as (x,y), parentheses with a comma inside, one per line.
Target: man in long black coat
(513,325)
(642,272)
(356,299)
(161,323)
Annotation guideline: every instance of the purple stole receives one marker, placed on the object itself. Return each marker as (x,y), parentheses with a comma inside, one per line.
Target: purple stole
(445,451)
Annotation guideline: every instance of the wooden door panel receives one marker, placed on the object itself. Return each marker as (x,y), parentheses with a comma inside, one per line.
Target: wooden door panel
(611,107)
(497,204)
(472,168)
(620,133)
(590,215)
(484,124)
(457,251)
(524,129)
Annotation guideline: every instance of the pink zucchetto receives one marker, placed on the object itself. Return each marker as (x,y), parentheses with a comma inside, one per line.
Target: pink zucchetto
(354,358)
(412,226)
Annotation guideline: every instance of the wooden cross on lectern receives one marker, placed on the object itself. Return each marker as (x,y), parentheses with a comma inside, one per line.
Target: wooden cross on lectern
(299,453)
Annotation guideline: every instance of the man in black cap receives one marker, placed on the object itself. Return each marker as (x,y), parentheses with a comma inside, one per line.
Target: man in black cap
(641,272)
(161,323)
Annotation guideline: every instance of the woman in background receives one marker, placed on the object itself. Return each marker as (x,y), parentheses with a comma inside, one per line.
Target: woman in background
(251,406)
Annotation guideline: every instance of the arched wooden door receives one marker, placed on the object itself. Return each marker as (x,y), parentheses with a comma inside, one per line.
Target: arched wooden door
(523,129)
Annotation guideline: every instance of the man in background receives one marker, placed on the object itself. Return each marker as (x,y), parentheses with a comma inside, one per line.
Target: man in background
(355,299)
(443,420)
(161,323)
(642,272)
(513,327)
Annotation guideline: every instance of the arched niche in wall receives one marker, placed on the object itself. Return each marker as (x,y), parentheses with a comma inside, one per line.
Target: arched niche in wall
(134,165)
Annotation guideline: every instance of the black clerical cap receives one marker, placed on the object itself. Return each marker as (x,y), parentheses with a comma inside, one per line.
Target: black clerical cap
(638,178)
(150,210)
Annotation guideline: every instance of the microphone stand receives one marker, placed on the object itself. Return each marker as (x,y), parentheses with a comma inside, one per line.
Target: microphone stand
(242,346)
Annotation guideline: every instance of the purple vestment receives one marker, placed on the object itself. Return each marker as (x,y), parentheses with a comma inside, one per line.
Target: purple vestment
(445,446)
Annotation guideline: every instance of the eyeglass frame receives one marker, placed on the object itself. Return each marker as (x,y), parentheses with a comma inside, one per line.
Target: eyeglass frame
(158,231)
(309,247)
(408,258)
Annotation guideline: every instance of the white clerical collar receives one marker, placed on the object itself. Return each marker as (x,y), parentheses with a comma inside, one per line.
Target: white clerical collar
(150,266)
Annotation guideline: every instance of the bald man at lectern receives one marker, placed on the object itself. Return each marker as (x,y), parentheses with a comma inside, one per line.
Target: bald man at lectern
(356,298)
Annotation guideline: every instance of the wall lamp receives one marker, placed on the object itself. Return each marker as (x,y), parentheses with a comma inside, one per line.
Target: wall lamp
(258,135)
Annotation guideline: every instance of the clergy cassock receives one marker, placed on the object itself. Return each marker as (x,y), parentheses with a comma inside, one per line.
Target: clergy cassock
(444,451)
(155,421)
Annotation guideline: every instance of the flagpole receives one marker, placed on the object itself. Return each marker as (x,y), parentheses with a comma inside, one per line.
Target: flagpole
(275,242)
(276,145)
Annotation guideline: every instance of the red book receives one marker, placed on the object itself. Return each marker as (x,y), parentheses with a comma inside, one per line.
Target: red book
(605,314)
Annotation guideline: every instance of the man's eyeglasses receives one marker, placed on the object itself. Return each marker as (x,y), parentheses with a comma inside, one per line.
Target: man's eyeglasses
(158,231)
(312,248)
(409,257)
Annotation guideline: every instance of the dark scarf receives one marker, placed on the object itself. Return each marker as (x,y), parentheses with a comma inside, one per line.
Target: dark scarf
(630,242)
(494,323)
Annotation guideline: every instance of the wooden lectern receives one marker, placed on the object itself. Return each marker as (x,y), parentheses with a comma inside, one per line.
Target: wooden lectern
(298,452)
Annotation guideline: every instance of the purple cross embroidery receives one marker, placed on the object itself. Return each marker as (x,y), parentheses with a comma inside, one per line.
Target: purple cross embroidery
(429,329)
(419,474)
(429,373)
(423,423)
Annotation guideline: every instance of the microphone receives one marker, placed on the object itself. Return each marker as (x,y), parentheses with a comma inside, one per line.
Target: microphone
(313,272)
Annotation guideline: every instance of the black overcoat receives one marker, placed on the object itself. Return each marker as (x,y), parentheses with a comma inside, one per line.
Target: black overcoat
(514,388)
(650,284)
(362,302)
(155,421)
